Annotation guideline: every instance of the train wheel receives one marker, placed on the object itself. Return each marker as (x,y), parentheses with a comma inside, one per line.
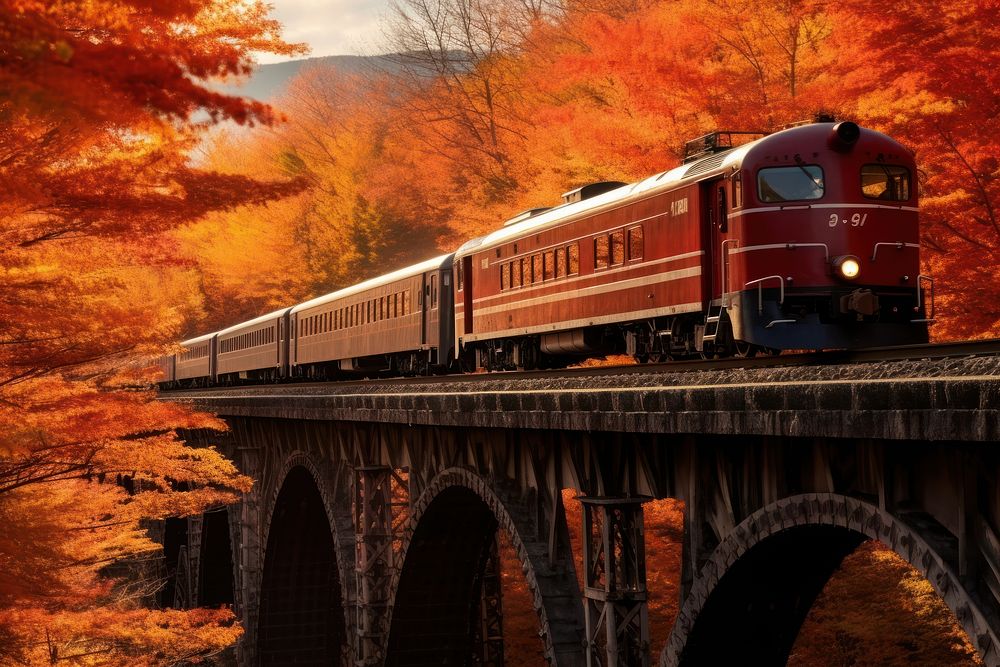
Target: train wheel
(744,350)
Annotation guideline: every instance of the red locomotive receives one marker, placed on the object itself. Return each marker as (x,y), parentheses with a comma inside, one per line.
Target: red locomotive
(803,239)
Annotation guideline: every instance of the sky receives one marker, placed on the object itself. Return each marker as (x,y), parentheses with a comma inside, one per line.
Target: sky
(330,27)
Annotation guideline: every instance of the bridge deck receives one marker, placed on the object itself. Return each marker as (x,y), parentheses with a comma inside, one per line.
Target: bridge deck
(928,399)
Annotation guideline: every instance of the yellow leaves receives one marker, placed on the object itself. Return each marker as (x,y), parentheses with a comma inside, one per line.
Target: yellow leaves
(874,606)
(122,634)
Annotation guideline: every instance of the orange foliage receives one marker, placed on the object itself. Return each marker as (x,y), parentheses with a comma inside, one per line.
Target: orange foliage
(877,610)
(522,644)
(96,122)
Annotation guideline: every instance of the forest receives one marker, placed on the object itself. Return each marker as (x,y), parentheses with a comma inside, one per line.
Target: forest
(135,195)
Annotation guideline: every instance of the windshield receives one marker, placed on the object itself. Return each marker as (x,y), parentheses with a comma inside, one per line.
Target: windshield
(886,182)
(790,183)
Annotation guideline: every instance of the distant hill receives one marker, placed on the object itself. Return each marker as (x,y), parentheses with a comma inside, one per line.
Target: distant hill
(269,81)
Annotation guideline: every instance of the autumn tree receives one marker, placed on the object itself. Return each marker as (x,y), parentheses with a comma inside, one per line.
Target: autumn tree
(99,107)
(460,95)
(361,213)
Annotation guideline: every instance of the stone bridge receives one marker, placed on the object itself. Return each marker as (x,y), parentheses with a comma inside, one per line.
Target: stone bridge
(371,534)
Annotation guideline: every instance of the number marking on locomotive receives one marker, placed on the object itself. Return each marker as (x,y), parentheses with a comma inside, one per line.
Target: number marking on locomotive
(856,220)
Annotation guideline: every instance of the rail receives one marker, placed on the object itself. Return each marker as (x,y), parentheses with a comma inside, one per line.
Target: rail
(928,317)
(723,268)
(898,245)
(760,290)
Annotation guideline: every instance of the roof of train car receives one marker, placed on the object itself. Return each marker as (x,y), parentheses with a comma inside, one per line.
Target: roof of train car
(567,212)
(257,320)
(439,262)
(719,162)
(192,341)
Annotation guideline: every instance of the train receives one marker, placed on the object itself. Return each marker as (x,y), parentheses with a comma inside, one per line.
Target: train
(803,239)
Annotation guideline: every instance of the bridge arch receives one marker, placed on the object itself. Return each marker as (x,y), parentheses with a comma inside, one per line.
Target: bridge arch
(458,498)
(304,582)
(751,596)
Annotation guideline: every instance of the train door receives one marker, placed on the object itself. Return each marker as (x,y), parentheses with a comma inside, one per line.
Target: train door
(283,346)
(715,227)
(424,304)
(467,293)
(433,309)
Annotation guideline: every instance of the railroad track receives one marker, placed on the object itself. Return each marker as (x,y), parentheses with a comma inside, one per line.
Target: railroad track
(987,347)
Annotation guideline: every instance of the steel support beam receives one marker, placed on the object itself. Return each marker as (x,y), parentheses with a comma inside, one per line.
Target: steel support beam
(489,626)
(379,495)
(373,526)
(614,560)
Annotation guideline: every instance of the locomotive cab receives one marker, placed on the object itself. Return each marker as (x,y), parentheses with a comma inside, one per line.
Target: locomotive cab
(814,242)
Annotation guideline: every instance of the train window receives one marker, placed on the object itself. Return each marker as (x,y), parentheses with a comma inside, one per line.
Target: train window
(574,258)
(434,291)
(459,277)
(560,262)
(504,275)
(723,216)
(406,302)
(795,183)
(601,252)
(536,268)
(737,182)
(519,272)
(381,308)
(548,265)
(617,248)
(635,243)
(886,182)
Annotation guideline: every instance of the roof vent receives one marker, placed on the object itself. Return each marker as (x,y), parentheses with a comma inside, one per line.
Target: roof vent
(524,215)
(716,142)
(591,190)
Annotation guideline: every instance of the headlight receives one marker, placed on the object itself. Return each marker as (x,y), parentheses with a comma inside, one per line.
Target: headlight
(847,266)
